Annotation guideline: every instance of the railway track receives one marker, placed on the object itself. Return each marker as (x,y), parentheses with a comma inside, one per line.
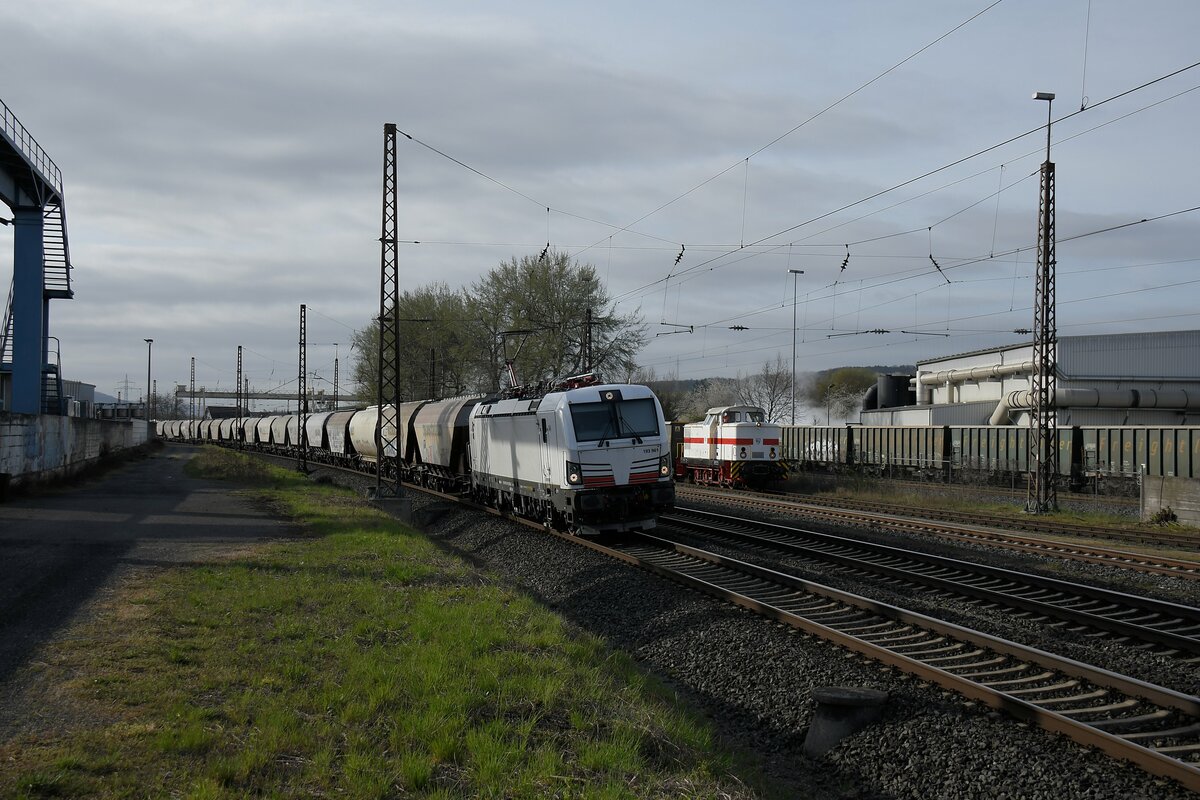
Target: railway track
(1015,494)
(1028,524)
(1172,629)
(1141,562)
(1155,728)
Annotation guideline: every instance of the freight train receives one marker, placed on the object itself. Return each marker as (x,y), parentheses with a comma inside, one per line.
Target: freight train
(1098,457)
(578,455)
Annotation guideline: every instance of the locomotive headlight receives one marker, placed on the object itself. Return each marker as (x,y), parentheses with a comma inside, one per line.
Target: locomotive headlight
(574,474)
(664,466)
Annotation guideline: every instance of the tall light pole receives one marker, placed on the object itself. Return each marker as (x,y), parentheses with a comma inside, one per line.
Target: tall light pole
(796,273)
(1043,416)
(149,346)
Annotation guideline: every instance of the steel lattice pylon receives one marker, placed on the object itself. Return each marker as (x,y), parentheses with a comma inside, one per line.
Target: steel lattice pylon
(239,432)
(192,387)
(1043,419)
(387,483)
(302,405)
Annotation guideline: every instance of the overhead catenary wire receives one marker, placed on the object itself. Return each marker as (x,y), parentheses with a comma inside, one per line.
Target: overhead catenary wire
(743,245)
(797,127)
(921,176)
(1087,35)
(726,248)
(911,274)
(549,208)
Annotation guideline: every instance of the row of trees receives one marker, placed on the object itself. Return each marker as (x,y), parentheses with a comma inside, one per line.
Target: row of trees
(533,310)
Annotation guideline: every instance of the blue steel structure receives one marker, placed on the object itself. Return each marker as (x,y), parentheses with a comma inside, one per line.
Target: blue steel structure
(31,186)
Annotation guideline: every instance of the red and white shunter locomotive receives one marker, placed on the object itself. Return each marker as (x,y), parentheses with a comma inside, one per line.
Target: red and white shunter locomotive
(733,446)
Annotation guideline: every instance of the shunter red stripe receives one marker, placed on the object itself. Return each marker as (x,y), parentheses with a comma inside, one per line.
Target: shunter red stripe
(703,440)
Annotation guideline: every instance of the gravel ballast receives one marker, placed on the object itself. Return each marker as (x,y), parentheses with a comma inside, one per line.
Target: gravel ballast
(754,679)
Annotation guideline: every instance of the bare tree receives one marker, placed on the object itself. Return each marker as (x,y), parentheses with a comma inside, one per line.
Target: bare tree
(841,403)
(712,393)
(670,392)
(770,390)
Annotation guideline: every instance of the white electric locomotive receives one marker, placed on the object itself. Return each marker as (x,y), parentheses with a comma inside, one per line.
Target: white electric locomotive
(733,446)
(589,458)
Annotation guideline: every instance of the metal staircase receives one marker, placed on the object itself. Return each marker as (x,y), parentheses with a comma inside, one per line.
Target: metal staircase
(6,331)
(56,257)
(56,267)
(31,183)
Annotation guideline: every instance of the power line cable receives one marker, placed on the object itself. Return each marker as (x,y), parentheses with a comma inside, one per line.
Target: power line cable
(519,193)
(922,176)
(783,136)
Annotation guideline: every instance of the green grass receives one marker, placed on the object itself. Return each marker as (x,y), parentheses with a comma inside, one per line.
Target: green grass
(1013,505)
(358,661)
(1014,508)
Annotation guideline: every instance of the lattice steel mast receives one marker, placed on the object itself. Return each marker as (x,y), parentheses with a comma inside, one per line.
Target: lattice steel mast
(302,405)
(239,433)
(587,343)
(1043,416)
(387,482)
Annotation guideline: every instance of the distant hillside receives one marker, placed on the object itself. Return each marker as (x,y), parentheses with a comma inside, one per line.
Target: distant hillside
(899,369)
(818,394)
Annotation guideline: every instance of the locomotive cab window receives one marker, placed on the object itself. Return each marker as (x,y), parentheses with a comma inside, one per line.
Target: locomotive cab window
(623,420)
(756,416)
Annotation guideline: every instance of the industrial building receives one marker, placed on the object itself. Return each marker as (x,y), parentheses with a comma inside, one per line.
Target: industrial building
(1105,380)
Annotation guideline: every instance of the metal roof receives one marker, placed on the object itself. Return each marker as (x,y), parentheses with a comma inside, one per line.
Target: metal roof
(1169,355)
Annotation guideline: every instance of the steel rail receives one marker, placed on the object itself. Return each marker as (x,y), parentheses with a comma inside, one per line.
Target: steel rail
(945,642)
(1181,710)
(1029,524)
(1139,562)
(1014,493)
(966,578)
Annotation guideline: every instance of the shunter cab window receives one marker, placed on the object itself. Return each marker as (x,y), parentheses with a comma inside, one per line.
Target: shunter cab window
(622,420)
(756,416)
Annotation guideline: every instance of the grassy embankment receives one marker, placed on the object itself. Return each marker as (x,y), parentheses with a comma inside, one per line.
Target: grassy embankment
(358,661)
(1012,504)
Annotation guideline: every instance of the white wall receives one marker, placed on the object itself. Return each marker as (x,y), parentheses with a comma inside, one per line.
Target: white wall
(34,448)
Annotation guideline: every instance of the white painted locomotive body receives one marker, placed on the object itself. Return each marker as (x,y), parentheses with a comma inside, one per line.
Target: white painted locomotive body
(594,459)
(733,445)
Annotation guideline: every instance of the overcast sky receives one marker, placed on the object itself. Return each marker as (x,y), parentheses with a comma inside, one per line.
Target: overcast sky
(223,164)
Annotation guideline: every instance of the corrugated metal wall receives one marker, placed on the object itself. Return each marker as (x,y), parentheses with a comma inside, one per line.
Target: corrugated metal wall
(1169,355)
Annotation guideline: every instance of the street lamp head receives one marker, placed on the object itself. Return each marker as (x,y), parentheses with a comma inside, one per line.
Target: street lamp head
(1043,95)
(796,271)
(148,341)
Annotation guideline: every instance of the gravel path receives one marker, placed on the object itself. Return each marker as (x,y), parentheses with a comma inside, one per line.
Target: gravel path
(65,554)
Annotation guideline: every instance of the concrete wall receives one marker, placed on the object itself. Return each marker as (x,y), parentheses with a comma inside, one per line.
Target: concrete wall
(1181,495)
(36,448)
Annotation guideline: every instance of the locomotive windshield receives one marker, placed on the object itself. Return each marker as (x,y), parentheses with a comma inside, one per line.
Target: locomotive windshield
(620,420)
